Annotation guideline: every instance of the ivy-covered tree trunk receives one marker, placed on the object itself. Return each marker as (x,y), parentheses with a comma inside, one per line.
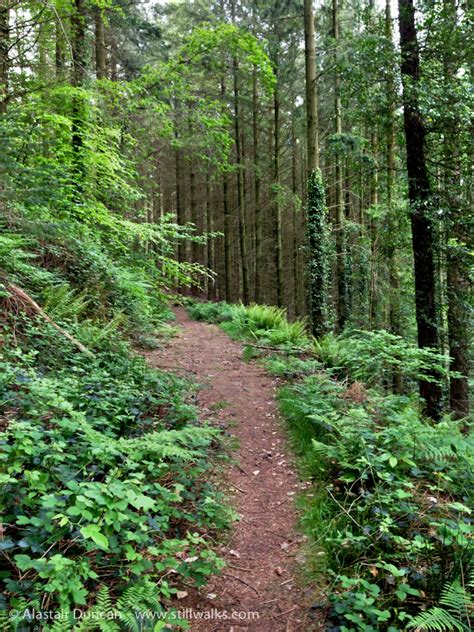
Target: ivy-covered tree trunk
(317,246)
(316,206)
(421,200)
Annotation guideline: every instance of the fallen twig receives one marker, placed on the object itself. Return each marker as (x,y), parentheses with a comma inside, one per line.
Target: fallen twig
(21,294)
(243,582)
(286,612)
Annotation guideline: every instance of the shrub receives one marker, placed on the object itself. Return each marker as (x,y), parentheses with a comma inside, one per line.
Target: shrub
(102,476)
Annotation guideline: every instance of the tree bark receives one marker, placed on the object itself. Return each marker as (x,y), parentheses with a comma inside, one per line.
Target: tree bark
(78,31)
(242,223)
(341,305)
(420,198)
(277,228)
(257,191)
(312,135)
(4,46)
(100,50)
(59,49)
(316,210)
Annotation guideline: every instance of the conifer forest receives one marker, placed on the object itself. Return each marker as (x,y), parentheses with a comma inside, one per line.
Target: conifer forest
(236,315)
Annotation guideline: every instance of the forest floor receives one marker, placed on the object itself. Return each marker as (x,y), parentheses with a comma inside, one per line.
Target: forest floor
(258,589)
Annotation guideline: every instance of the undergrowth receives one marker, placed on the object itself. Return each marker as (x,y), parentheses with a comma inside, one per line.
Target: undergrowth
(107,508)
(388,513)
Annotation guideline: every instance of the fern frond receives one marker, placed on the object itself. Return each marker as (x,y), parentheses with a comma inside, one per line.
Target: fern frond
(436,620)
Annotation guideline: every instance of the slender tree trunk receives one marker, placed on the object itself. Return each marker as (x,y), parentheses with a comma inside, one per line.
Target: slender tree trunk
(59,49)
(257,191)
(180,215)
(210,245)
(316,210)
(227,222)
(420,197)
(277,228)
(374,307)
(311,89)
(457,265)
(393,277)
(341,305)
(78,29)
(4,46)
(100,50)
(294,189)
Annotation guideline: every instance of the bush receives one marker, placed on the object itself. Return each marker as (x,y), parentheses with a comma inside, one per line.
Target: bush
(265,323)
(102,477)
(397,525)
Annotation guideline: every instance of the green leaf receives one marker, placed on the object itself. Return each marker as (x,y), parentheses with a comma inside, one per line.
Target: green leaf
(93,532)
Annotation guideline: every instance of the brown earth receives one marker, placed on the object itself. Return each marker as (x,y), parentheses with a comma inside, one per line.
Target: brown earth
(258,589)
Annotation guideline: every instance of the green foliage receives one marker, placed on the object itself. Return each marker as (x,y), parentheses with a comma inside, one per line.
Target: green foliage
(103,466)
(452,613)
(373,357)
(396,488)
(266,323)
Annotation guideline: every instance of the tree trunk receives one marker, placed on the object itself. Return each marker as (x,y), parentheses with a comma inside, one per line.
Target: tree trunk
(341,305)
(457,258)
(100,50)
(210,244)
(257,192)
(420,198)
(180,215)
(59,49)
(312,134)
(78,29)
(316,211)
(294,189)
(4,46)
(240,188)
(277,229)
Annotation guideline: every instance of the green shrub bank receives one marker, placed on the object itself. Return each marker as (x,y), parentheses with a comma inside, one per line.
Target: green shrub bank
(388,513)
(104,485)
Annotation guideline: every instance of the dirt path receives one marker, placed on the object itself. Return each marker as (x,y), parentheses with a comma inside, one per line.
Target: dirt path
(262,552)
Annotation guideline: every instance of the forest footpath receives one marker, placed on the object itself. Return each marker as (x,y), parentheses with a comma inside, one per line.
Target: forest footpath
(258,586)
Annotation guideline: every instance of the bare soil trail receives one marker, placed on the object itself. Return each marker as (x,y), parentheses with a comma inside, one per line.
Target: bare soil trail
(262,553)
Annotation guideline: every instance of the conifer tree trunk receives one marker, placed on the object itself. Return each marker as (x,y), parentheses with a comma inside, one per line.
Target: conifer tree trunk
(257,191)
(59,49)
(294,189)
(4,45)
(393,276)
(316,211)
(420,198)
(100,50)
(457,265)
(78,29)
(341,305)
(311,89)
(277,227)
(180,216)
(242,224)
